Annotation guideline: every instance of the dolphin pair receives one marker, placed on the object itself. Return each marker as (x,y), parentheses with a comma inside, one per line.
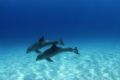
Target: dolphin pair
(54,50)
(41,44)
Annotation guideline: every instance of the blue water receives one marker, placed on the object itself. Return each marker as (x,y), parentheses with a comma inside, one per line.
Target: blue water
(92,26)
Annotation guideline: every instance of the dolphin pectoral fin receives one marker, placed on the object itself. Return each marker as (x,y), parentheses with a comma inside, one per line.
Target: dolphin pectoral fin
(49,59)
(37,51)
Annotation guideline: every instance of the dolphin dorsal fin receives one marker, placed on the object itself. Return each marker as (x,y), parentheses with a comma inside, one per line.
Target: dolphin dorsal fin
(54,46)
(42,39)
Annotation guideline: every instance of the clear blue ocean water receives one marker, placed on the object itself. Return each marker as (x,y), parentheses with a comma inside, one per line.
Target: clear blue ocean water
(91,26)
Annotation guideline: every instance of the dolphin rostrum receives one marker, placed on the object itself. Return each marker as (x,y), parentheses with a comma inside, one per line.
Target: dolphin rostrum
(41,44)
(54,50)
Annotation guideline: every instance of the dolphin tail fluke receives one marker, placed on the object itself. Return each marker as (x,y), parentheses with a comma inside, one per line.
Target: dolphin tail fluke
(61,42)
(76,50)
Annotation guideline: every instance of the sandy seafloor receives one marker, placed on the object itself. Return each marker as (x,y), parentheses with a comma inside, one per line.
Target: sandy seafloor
(97,61)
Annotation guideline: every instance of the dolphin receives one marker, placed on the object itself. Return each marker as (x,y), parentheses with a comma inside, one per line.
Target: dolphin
(41,44)
(54,50)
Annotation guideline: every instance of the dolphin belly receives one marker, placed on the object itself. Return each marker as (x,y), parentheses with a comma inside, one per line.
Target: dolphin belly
(46,55)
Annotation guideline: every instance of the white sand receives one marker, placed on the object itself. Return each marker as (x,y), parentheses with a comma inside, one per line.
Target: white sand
(96,62)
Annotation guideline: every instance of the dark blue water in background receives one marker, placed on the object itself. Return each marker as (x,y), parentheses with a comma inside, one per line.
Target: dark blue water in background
(23,19)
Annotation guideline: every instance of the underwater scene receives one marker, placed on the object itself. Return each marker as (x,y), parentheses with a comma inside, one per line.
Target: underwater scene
(59,40)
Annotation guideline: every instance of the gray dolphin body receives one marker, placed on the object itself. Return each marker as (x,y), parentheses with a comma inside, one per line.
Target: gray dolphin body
(41,44)
(54,50)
